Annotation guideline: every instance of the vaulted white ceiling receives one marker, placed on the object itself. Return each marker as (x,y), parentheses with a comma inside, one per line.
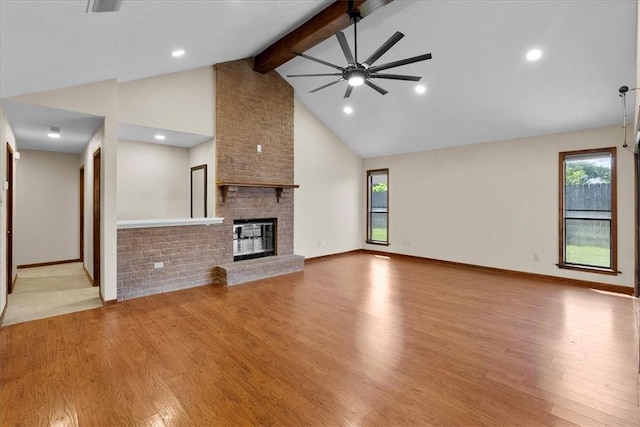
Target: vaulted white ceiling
(480,87)
(48,44)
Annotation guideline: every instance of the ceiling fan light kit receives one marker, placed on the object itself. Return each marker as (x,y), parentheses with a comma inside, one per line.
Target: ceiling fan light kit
(359,73)
(357,77)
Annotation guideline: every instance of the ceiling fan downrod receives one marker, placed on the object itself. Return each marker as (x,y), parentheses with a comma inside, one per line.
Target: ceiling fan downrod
(355,17)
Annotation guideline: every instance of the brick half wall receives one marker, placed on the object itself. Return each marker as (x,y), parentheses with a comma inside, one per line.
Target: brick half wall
(189,254)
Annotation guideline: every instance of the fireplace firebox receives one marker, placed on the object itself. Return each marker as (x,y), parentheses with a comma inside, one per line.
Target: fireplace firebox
(254,238)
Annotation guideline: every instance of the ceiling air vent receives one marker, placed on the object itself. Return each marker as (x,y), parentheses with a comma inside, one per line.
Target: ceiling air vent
(99,6)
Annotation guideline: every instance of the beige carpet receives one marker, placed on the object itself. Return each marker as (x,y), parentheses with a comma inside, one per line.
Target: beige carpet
(50,291)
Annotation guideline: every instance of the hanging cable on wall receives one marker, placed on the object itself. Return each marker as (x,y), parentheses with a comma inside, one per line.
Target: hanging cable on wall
(623,94)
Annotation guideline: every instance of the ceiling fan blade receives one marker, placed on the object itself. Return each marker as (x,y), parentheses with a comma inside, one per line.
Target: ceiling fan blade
(313,75)
(376,87)
(383,49)
(345,48)
(395,77)
(401,62)
(324,86)
(328,64)
(348,92)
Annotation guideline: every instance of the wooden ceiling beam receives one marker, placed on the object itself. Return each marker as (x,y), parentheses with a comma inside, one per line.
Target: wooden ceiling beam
(320,27)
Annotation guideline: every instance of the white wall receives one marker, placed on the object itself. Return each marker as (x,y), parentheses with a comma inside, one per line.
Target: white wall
(86,160)
(328,214)
(496,204)
(153,181)
(46,223)
(183,101)
(204,154)
(6,137)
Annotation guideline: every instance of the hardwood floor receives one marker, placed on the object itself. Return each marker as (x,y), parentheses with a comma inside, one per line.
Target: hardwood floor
(353,340)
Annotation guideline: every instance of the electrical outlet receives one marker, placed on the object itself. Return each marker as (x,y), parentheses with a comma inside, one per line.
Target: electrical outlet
(259,148)
(324,243)
(536,257)
(158,264)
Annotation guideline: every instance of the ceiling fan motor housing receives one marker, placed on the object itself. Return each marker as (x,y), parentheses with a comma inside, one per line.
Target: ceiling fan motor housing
(355,75)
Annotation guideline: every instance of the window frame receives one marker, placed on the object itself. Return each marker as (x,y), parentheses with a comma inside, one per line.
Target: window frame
(368,239)
(613,237)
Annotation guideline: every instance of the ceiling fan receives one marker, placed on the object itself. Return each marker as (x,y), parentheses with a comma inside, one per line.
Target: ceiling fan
(358,73)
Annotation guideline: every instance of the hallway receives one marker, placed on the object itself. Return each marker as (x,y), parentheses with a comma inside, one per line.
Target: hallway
(50,291)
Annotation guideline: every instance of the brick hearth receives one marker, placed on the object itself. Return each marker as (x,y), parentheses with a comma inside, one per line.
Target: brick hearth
(255,269)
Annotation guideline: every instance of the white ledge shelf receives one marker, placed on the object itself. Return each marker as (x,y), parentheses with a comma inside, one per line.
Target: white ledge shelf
(169,222)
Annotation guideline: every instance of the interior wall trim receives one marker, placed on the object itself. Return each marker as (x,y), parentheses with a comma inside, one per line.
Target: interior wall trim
(338,254)
(514,273)
(86,273)
(107,303)
(4,311)
(45,264)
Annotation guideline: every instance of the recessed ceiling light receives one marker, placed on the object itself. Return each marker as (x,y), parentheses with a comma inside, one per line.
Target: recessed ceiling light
(421,89)
(177,53)
(347,109)
(534,54)
(54,133)
(160,137)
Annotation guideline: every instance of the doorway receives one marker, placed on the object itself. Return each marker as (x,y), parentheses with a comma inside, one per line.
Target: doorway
(9,219)
(96,218)
(49,277)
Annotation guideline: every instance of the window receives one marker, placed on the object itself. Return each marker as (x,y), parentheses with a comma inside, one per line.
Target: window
(588,210)
(378,206)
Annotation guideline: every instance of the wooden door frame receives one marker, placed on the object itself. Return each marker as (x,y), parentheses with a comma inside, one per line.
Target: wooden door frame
(637,219)
(96,205)
(81,213)
(636,182)
(9,208)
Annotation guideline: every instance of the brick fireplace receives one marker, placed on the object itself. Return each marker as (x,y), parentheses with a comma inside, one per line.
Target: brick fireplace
(255,109)
(251,109)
